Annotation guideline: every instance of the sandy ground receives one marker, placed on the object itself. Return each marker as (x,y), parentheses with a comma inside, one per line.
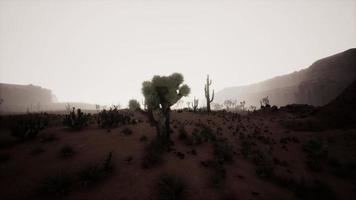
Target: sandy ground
(23,172)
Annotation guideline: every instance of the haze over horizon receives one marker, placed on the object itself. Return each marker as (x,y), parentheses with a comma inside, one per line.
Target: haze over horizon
(101,51)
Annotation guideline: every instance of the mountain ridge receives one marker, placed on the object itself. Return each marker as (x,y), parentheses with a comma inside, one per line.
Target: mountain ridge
(308,85)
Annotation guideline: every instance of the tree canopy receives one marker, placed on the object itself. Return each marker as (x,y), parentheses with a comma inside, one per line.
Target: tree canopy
(164,91)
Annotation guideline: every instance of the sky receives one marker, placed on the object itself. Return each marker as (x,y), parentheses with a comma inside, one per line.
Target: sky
(100,51)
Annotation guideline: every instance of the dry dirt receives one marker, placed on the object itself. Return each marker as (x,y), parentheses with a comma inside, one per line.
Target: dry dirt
(22,173)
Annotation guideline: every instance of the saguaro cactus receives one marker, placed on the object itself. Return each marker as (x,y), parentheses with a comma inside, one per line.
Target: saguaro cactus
(195,104)
(207,93)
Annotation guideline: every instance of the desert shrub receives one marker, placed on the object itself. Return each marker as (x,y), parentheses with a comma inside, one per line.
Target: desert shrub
(49,138)
(89,174)
(92,173)
(219,173)
(36,150)
(228,196)
(108,164)
(264,170)
(182,133)
(66,151)
(263,160)
(4,158)
(316,151)
(343,170)
(196,138)
(217,180)
(126,131)
(58,185)
(170,187)
(134,105)
(246,148)
(143,138)
(315,147)
(207,134)
(29,125)
(112,118)
(152,153)
(223,151)
(318,190)
(76,119)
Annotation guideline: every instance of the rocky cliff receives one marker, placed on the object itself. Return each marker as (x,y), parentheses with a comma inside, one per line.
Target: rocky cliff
(316,85)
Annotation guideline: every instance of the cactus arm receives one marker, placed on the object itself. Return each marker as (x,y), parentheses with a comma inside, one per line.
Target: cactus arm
(212,97)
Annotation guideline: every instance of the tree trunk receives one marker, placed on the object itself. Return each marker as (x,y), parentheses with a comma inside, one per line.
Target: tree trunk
(154,123)
(167,122)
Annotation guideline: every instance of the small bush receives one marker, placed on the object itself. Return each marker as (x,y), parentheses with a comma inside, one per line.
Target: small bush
(316,152)
(318,190)
(196,138)
(143,138)
(58,185)
(170,187)
(36,150)
(219,173)
(207,134)
(89,174)
(29,125)
(112,118)
(66,151)
(182,133)
(126,131)
(134,105)
(223,151)
(152,153)
(4,158)
(92,173)
(76,119)
(49,138)
(246,148)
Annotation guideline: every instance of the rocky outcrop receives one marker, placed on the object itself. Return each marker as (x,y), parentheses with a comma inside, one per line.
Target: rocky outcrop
(20,98)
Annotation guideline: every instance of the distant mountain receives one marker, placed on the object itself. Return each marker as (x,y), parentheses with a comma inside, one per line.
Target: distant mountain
(316,85)
(341,112)
(22,98)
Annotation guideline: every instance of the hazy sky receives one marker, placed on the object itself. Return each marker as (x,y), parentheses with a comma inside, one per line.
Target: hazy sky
(101,51)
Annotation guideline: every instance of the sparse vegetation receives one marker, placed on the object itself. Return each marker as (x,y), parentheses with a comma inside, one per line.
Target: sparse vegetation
(134,105)
(127,131)
(223,151)
(265,103)
(195,104)
(76,119)
(183,135)
(28,126)
(36,150)
(170,187)
(316,152)
(66,151)
(153,153)
(4,158)
(49,138)
(143,138)
(93,172)
(112,118)
(58,185)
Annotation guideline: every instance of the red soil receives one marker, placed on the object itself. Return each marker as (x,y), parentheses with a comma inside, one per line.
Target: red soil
(23,173)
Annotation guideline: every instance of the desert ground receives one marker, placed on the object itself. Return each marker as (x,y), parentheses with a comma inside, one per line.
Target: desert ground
(217,155)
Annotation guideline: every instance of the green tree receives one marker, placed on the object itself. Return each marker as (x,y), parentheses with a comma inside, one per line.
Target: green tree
(134,105)
(160,94)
